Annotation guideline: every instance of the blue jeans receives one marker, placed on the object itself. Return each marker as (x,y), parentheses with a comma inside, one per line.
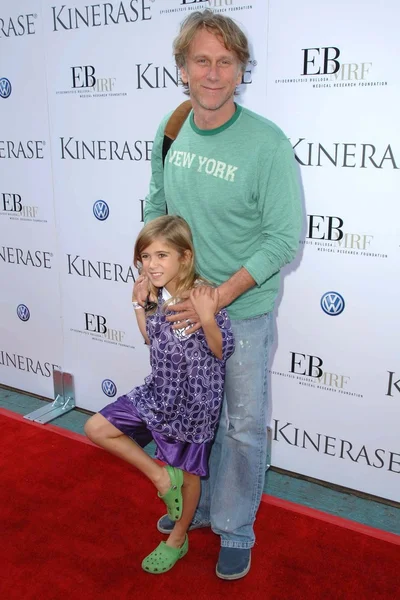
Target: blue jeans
(231,495)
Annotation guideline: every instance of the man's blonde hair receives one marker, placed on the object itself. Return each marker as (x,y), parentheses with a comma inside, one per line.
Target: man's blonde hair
(223,27)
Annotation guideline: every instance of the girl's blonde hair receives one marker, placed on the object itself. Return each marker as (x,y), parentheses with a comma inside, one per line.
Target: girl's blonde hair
(223,27)
(176,233)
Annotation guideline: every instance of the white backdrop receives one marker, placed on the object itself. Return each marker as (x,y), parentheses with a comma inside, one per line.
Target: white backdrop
(89,85)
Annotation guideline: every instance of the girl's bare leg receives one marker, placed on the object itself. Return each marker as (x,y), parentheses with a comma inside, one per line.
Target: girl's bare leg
(191,496)
(104,434)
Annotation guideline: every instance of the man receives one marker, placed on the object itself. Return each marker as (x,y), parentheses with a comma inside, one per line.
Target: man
(231,174)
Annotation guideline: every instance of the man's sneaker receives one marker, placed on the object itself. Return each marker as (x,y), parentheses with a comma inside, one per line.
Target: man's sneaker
(165,525)
(233,563)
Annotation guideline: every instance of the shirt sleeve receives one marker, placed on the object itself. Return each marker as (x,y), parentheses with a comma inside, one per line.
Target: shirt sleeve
(156,205)
(279,202)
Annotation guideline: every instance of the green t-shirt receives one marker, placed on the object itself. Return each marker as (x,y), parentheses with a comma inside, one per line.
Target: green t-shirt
(237,186)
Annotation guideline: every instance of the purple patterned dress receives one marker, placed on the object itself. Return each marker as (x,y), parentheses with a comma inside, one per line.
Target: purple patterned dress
(179,404)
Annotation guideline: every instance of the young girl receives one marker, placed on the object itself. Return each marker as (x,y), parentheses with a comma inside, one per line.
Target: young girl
(179,404)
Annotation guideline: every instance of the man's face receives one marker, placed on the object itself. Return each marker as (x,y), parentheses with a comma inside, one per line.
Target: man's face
(212,71)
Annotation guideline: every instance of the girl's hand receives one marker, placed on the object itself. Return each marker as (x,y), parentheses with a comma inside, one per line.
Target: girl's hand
(140,290)
(205,302)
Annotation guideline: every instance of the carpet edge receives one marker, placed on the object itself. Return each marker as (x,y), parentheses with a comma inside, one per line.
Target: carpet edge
(381,534)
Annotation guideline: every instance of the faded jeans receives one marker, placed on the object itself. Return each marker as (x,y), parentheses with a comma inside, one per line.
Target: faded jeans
(231,495)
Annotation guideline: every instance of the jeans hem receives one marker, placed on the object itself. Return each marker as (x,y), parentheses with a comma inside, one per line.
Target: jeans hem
(239,545)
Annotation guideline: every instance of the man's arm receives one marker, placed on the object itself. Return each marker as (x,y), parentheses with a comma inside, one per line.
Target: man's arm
(279,205)
(280,214)
(235,286)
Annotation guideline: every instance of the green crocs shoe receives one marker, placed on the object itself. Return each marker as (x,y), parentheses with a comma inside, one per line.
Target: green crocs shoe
(173,498)
(163,558)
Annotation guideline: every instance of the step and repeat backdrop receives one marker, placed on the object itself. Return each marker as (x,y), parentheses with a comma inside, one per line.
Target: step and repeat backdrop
(82,90)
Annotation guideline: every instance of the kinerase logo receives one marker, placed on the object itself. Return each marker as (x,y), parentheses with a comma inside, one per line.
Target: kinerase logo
(393,386)
(17,26)
(5,87)
(377,458)
(31,149)
(99,269)
(156,77)
(344,154)
(109,388)
(105,149)
(23,312)
(101,210)
(97,15)
(27,364)
(247,76)
(27,258)
(332,304)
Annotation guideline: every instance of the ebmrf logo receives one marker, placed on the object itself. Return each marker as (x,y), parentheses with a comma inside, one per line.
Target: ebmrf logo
(324,61)
(13,206)
(331,67)
(88,83)
(98,330)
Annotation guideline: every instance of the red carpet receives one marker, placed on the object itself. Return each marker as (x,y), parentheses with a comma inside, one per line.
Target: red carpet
(77,522)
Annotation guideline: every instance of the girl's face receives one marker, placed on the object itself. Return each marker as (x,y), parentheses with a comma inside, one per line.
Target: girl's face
(161,263)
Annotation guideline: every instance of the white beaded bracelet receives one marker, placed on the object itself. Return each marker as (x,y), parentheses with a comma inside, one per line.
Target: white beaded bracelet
(136,306)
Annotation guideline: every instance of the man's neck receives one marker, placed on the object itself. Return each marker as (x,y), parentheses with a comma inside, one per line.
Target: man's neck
(211,119)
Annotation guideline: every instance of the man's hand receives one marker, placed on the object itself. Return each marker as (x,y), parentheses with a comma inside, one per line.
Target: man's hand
(185,314)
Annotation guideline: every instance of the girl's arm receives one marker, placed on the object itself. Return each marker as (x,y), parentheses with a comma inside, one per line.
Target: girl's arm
(205,301)
(213,335)
(141,321)
(139,312)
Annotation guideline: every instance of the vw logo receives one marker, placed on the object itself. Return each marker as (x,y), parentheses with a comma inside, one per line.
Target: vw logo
(5,87)
(101,210)
(332,304)
(109,388)
(23,312)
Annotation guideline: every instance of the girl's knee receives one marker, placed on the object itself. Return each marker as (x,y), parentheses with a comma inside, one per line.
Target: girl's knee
(94,427)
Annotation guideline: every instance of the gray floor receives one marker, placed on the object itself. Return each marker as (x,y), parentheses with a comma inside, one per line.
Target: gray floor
(327,499)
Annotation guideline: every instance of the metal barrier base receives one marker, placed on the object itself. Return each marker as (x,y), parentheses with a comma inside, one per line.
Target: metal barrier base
(64,400)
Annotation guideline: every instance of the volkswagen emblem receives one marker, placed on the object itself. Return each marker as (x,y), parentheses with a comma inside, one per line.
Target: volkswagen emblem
(332,304)
(23,312)
(5,87)
(101,210)
(109,388)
